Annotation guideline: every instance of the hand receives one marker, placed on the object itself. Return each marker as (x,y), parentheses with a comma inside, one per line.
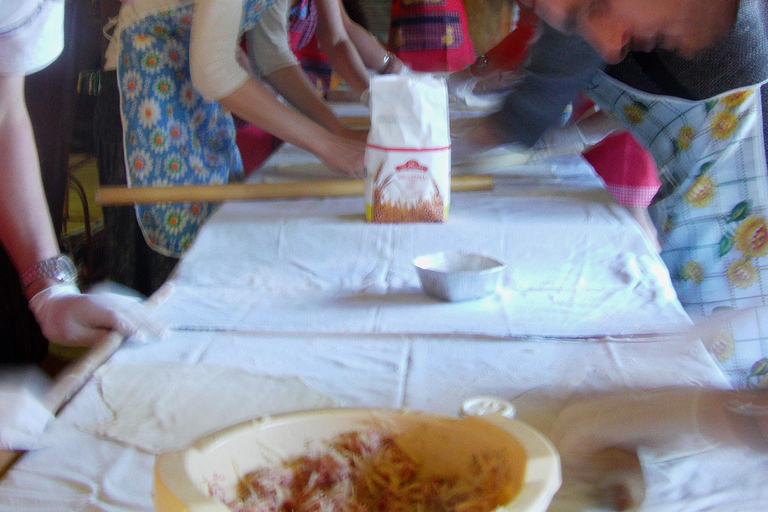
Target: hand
(70,318)
(597,126)
(577,137)
(483,92)
(561,140)
(666,419)
(460,84)
(345,155)
(598,439)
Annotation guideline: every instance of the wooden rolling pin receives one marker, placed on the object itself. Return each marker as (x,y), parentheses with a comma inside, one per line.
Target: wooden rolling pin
(121,195)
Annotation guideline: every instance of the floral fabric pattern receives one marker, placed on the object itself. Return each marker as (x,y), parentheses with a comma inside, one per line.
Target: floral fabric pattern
(171,135)
(711,210)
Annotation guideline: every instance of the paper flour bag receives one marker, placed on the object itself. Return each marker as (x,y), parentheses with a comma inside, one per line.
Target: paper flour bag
(408,154)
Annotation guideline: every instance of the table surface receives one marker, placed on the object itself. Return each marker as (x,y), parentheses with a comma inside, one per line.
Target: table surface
(577,262)
(306,288)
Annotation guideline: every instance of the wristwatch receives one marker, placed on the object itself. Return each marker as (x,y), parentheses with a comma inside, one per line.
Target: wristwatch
(59,268)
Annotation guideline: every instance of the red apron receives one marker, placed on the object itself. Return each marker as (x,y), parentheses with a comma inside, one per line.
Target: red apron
(430,35)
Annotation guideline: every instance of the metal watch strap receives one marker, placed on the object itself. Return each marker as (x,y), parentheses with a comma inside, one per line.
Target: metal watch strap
(59,268)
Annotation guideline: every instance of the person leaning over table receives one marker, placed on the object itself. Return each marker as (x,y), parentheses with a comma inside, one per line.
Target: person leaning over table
(627,168)
(173,79)
(32,37)
(290,25)
(294,25)
(602,438)
(687,78)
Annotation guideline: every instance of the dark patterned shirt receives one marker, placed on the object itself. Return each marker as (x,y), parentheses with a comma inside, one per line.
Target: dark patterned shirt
(560,65)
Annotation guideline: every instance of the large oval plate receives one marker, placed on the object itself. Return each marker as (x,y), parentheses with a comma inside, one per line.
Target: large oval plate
(182,478)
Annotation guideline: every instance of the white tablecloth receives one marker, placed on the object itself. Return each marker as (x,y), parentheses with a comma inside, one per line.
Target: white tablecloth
(80,471)
(578,264)
(306,289)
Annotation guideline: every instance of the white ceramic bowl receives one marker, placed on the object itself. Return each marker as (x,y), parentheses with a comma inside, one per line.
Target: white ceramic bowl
(458,276)
(182,478)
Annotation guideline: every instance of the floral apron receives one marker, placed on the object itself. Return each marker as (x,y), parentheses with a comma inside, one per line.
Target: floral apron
(711,209)
(171,135)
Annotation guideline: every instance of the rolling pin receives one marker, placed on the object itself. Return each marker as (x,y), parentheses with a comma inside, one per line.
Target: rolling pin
(122,195)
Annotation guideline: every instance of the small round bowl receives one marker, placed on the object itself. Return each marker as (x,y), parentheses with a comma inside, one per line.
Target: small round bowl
(458,276)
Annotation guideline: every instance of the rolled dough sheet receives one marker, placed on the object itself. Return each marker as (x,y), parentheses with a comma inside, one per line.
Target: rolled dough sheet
(160,407)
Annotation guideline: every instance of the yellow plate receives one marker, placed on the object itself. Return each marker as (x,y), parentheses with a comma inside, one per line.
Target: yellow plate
(182,478)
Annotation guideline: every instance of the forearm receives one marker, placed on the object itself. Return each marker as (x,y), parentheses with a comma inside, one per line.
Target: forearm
(347,63)
(371,51)
(26,230)
(255,104)
(294,86)
(735,417)
(334,40)
(559,68)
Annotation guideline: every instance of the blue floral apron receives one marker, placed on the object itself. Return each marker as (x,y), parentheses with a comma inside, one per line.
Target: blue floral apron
(171,135)
(711,209)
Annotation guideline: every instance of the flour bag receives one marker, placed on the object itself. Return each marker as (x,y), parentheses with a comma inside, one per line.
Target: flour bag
(408,154)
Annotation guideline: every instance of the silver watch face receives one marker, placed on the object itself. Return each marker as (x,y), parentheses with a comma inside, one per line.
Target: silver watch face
(65,269)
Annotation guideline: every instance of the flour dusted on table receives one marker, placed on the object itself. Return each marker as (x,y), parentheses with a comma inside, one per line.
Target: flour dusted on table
(408,155)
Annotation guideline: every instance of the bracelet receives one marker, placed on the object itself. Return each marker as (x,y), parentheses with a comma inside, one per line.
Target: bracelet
(481,63)
(385,63)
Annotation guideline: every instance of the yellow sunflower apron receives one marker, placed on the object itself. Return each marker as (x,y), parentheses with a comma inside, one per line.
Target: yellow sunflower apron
(711,209)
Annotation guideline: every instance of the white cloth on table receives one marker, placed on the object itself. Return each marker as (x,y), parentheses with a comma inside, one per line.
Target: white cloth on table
(79,471)
(23,414)
(578,264)
(164,407)
(309,290)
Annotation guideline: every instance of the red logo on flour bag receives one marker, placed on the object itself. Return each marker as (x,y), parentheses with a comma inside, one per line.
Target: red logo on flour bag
(413,179)
(408,155)
(412,165)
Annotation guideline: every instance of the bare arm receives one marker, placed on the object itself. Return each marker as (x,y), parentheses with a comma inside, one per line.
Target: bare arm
(293,85)
(370,49)
(218,76)
(254,103)
(677,420)
(26,230)
(335,42)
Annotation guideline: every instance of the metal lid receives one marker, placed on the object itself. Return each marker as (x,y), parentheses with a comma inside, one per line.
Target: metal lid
(482,405)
